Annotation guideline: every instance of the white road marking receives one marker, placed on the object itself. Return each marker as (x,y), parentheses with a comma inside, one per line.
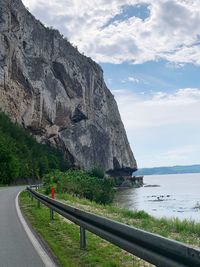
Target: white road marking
(39,249)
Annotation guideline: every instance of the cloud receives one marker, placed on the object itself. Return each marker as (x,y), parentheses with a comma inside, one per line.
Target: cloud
(133,79)
(163,128)
(180,153)
(170,32)
(183,155)
(159,109)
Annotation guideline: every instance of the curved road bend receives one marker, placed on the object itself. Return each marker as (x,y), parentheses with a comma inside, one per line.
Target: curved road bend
(16,250)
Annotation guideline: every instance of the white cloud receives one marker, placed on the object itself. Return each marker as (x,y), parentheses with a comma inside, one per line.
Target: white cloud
(183,155)
(174,65)
(171,32)
(133,79)
(163,128)
(179,154)
(161,109)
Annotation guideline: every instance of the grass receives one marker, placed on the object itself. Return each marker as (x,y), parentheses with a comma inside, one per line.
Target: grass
(3,185)
(186,231)
(62,236)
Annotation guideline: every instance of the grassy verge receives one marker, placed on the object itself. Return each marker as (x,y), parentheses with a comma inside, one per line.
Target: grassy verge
(63,236)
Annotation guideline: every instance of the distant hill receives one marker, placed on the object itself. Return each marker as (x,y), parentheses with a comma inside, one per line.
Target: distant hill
(168,170)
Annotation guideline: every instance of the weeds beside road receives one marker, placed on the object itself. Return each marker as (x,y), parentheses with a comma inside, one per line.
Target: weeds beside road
(63,236)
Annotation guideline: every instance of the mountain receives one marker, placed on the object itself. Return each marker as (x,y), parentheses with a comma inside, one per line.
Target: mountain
(168,170)
(58,94)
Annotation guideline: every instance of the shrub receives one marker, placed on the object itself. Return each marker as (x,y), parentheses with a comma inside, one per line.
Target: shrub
(97,172)
(81,184)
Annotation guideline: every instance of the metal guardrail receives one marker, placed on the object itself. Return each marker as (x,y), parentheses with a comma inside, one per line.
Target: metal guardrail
(35,186)
(152,248)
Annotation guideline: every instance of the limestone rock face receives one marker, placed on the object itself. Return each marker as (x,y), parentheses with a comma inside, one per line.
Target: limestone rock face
(57,93)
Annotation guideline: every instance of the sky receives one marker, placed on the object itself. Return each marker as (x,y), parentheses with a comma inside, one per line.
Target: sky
(150,54)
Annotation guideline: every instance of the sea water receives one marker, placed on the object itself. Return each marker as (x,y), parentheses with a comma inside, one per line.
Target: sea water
(176,195)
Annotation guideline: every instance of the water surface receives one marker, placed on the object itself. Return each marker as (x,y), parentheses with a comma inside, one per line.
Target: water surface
(176,195)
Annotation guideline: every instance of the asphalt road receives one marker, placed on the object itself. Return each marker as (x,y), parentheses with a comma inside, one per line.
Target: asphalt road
(16,250)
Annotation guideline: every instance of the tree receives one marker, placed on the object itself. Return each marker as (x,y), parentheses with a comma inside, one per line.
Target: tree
(9,164)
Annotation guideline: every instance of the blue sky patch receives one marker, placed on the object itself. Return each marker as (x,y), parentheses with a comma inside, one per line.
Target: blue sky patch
(151,76)
(141,11)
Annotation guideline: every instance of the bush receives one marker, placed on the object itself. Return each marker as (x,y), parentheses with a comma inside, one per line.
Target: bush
(81,184)
(97,172)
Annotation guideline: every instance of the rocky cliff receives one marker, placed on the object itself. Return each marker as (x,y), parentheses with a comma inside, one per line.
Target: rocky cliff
(51,89)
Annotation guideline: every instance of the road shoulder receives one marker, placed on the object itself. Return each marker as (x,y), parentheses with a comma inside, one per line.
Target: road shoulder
(38,243)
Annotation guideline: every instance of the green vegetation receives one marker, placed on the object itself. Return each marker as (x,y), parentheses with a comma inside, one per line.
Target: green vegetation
(82,184)
(21,156)
(185,231)
(97,172)
(62,236)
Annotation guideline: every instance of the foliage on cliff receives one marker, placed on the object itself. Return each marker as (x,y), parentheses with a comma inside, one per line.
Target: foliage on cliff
(21,156)
(80,183)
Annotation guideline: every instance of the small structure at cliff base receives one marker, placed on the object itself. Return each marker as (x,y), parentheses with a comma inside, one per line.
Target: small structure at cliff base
(130,181)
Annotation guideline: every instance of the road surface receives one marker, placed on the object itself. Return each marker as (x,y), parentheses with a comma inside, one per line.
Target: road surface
(16,250)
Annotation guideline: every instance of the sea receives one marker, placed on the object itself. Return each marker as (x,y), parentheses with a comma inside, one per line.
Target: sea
(169,196)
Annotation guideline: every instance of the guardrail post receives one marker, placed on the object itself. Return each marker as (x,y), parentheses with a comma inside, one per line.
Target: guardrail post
(51,215)
(82,238)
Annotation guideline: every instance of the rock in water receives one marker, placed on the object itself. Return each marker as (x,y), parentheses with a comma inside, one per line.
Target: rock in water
(57,93)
